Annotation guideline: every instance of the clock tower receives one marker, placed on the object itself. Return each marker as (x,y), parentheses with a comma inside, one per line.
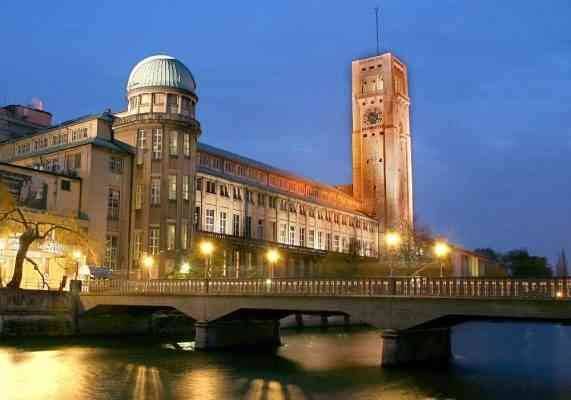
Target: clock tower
(382,163)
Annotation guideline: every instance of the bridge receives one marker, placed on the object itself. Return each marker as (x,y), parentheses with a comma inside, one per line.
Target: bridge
(414,314)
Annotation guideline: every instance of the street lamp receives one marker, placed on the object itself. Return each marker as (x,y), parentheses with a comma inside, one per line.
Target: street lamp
(206,249)
(393,241)
(148,262)
(441,250)
(273,257)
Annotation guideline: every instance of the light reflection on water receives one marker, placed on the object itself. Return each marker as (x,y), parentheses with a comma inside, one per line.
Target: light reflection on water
(492,361)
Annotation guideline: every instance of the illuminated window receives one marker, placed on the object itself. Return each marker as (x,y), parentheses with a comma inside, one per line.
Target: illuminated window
(222,222)
(111,251)
(154,240)
(186,187)
(141,139)
(336,243)
(172,187)
(186,145)
(155,191)
(173,143)
(311,238)
(157,138)
(292,235)
(210,220)
(184,234)
(113,204)
(171,236)
(320,240)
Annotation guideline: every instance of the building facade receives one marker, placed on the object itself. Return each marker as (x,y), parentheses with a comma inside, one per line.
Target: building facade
(149,187)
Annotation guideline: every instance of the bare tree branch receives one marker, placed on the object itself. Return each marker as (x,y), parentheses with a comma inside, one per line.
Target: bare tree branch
(37,268)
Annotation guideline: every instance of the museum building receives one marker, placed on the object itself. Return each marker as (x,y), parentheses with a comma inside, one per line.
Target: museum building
(144,184)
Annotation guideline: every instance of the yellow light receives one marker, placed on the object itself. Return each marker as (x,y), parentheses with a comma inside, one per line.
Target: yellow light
(559,295)
(206,248)
(185,268)
(148,261)
(273,256)
(2,244)
(441,249)
(268,281)
(77,255)
(392,239)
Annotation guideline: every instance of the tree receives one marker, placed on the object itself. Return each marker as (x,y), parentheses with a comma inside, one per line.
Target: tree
(523,265)
(33,228)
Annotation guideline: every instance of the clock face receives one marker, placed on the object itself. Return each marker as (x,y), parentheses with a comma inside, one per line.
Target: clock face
(373,117)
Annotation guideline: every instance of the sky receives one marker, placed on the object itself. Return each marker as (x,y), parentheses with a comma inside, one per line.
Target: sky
(490,88)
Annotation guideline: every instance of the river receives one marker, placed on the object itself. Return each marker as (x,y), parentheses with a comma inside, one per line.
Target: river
(491,361)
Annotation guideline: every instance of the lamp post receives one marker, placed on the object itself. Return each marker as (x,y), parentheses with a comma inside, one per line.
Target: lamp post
(206,249)
(441,250)
(148,263)
(393,241)
(273,257)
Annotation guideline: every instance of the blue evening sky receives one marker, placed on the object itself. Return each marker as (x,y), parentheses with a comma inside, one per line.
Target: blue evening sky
(490,89)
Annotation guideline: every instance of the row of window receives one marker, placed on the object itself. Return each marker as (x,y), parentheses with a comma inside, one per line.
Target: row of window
(263,200)
(290,185)
(158,99)
(155,190)
(154,239)
(51,140)
(323,241)
(72,162)
(174,143)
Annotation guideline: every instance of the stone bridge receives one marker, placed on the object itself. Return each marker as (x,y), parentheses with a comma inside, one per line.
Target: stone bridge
(414,314)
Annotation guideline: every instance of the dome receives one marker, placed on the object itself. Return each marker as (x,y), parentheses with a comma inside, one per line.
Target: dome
(161,70)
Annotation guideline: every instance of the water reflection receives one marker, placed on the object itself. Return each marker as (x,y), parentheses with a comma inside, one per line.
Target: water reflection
(492,361)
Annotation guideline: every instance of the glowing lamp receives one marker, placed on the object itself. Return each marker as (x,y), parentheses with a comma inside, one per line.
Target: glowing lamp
(148,261)
(206,248)
(393,239)
(441,249)
(185,268)
(273,256)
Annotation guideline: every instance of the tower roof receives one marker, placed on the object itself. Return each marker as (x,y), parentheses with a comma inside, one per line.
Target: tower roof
(161,70)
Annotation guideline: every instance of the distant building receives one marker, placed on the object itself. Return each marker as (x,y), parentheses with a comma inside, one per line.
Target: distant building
(148,187)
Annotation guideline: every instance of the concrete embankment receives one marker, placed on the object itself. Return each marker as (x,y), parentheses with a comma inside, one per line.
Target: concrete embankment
(35,313)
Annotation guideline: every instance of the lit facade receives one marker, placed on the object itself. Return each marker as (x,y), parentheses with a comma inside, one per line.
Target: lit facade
(149,187)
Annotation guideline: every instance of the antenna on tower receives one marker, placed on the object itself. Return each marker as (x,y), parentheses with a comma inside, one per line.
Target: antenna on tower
(378,30)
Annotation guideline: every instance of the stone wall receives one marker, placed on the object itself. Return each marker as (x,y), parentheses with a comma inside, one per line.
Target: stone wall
(35,313)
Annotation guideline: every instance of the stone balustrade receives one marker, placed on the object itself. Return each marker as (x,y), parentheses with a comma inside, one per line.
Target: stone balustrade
(492,288)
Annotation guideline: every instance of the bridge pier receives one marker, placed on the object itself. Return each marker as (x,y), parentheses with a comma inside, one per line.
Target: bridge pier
(409,347)
(219,335)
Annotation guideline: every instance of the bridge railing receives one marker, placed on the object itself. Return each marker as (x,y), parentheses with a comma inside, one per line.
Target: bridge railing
(402,287)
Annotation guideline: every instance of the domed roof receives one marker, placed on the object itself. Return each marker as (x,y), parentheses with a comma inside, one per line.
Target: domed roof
(161,70)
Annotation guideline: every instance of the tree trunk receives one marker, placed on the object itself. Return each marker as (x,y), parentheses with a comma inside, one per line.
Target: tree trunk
(25,241)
